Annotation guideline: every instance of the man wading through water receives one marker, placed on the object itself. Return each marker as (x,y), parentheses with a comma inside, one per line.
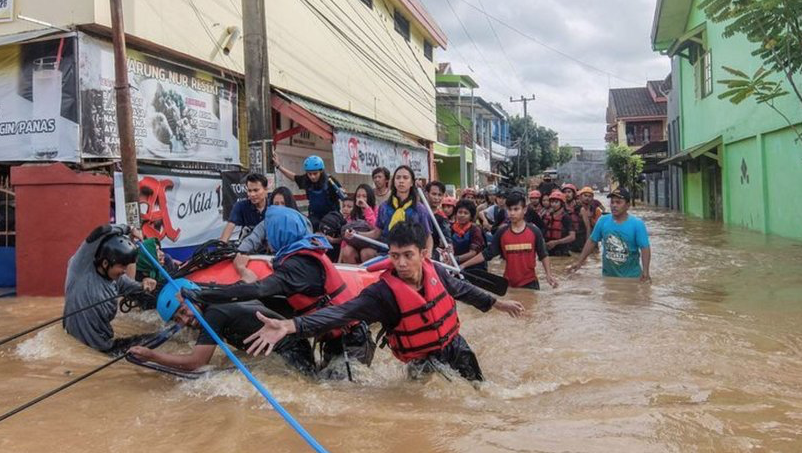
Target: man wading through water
(414,301)
(624,242)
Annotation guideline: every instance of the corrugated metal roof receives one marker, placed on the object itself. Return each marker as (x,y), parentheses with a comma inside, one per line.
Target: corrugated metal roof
(350,122)
(30,35)
(635,102)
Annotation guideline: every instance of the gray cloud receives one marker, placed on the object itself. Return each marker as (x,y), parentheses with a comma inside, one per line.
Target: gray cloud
(611,35)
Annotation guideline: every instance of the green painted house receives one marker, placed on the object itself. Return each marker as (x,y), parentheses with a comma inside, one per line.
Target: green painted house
(740,164)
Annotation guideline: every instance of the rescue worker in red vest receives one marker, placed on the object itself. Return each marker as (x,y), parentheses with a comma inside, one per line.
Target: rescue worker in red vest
(306,276)
(559,228)
(414,301)
(578,219)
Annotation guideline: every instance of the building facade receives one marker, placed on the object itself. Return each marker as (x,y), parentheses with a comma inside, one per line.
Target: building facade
(738,162)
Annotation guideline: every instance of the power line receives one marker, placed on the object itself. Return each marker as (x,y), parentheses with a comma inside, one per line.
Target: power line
(543,44)
(465,29)
(503,49)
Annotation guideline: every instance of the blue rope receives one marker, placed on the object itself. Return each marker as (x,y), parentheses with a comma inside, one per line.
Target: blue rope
(261,388)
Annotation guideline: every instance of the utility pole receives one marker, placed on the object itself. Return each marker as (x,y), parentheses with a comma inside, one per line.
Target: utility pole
(125,118)
(257,86)
(525,138)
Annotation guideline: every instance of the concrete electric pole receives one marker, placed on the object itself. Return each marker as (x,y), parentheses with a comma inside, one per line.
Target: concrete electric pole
(525,138)
(125,119)
(257,86)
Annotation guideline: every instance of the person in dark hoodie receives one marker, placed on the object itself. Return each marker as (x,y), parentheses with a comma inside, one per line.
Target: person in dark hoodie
(414,300)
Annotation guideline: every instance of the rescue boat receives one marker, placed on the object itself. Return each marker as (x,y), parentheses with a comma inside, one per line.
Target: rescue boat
(224,273)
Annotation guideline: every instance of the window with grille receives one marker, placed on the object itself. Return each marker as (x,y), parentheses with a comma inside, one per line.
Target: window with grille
(401,24)
(427,50)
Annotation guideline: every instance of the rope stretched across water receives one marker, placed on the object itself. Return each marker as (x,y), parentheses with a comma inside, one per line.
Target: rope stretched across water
(255,382)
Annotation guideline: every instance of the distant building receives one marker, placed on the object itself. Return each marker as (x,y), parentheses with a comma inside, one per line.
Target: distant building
(587,168)
(637,117)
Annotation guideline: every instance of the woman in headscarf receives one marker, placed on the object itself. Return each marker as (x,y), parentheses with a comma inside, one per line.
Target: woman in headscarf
(306,276)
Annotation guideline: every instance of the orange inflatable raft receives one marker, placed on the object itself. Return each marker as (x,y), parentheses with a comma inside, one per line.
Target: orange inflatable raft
(224,273)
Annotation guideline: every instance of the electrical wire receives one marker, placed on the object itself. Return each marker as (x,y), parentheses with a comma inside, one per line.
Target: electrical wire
(465,29)
(503,49)
(209,33)
(546,46)
(403,90)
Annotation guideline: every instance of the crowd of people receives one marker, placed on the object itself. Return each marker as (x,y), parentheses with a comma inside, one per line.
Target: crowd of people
(401,225)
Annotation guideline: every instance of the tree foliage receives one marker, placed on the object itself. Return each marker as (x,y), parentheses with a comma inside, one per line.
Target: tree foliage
(776,27)
(536,144)
(625,167)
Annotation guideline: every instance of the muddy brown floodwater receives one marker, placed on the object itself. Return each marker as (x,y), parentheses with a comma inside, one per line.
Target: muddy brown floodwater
(707,358)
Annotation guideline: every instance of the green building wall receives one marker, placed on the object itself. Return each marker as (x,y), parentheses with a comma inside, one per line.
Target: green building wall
(761,164)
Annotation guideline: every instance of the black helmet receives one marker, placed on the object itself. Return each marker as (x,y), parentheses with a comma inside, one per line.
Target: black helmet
(116,249)
(332,223)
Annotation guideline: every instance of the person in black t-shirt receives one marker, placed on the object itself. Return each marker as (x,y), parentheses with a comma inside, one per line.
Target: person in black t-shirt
(234,323)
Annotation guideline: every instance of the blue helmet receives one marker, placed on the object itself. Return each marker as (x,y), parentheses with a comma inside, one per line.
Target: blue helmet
(313,163)
(167,304)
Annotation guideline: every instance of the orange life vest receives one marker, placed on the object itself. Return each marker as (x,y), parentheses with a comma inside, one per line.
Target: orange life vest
(554,226)
(428,323)
(336,291)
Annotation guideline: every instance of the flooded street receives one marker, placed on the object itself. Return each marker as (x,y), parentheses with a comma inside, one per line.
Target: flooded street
(707,358)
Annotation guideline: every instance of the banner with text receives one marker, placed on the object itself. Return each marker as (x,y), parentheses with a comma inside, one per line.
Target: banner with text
(180,207)
(359,154)
(179,113)
(38,108)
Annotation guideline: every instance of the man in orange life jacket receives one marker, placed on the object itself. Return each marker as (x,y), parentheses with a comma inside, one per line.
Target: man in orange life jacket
(414,301)
(559,227)
(578,218)
(521,244)
(303,273)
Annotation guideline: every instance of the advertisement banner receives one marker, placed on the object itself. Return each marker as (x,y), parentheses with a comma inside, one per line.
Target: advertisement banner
(180,114)
(234,190)
(6,10)
(179,207)
(359,154)
(38,108)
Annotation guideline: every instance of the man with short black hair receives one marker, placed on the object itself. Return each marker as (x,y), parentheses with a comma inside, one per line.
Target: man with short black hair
(624,240)
(414,300)
(249,212)
(521,245)
(434,195)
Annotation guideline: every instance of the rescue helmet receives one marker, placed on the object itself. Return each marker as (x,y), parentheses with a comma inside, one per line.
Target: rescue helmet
(557,195)
(468,191)
(313,163)
(167,304)
(534,194)
(569,186)
(449,201)
(492,189)
(116,249)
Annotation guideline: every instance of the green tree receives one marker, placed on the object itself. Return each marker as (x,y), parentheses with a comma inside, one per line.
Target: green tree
(565,155)
(625,167)
(536,146)
(776,27)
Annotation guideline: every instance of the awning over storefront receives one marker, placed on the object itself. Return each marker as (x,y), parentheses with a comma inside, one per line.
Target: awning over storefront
(693,152)
(452,151)
(30,36)
(321,120)
(359,145)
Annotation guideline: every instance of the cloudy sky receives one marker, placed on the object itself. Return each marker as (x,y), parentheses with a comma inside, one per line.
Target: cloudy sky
(575,50)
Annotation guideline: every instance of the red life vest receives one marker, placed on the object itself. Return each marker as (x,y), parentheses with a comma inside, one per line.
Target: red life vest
(576,217)
(336,291)
(428,323)
(554,226)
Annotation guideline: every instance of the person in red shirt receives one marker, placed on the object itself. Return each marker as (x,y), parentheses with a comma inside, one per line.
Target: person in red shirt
(521,244)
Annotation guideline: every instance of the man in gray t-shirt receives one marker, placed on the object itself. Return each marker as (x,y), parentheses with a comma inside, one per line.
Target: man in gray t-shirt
(95,272)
